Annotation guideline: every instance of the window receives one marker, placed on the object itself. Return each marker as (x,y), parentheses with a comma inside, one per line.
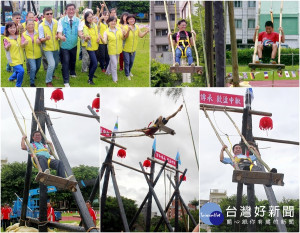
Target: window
(159,3)
(251,4)
(162,48)
(237,3)
(160,16)
(238,23)
(161,32)
(251,23)
(172,17)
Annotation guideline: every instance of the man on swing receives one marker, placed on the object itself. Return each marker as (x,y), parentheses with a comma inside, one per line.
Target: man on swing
(268,38)
(245,162)
(154,127)
(183,41)
(43,155)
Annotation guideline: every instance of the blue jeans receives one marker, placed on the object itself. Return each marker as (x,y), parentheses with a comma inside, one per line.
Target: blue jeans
(18,74)
(52,59)
(189,55)
(93,64)
(34,65)
(128,61)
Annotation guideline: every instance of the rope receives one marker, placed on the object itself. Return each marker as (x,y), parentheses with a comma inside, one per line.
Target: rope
(193,36)
(132,136)
(169,31)
(39,125)
(19,111)
(175,20)
(256,36)
(91,228)
(203,45)
(22,132)
(280,25)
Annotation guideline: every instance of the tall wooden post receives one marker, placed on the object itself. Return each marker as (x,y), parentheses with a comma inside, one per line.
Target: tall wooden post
(234,55)
(219,30)
(177,199)
(209,41)
(149,203)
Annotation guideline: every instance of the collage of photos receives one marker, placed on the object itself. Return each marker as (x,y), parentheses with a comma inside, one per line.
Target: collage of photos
(149,116)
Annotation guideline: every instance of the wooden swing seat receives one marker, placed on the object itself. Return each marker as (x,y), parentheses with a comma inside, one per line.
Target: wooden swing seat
(254,66)
(257,177)
(58,182)
(186,69)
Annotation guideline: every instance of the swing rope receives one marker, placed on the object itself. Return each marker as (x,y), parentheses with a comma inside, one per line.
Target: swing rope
(25,128)
(256,35)
(193,36)
(133,136)
(246,143)
(280,25)
(169,31)
(22,132)
(39,125)
(221,141)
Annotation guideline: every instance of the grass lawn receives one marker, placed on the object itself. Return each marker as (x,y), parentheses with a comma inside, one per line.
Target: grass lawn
(140,70)
(259,73)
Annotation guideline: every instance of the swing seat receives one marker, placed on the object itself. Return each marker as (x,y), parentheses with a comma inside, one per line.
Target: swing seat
(257,177)
(186,69)
(58,182)
(278,67)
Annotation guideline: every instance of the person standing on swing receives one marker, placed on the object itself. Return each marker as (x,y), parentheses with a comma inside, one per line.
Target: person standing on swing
(183,41)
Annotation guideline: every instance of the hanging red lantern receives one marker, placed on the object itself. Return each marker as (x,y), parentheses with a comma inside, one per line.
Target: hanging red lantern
(57,95)
(121,153)
(266,123)
(96,103)
(184,178)
(147,163)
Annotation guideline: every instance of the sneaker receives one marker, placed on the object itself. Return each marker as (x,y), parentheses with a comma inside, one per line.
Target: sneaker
(176,64)
(131,75)
(193,64)
(274,170)
(121,69)
(128,77)
(258,61)
(103,70)
(47,171)
(272,61)
(49,84)
(32,85)
(12,80)
(73,75)
(91,82)
(67,84)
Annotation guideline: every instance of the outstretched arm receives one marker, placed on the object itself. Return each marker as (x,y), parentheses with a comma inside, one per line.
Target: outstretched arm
(222,153)
(23,144)
(175,113)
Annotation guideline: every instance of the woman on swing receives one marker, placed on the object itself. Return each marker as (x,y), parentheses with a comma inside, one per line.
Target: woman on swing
(183,41)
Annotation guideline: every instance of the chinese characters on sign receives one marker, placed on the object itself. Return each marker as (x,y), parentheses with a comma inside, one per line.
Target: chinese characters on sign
(163,157)
(207,97)
(105,132)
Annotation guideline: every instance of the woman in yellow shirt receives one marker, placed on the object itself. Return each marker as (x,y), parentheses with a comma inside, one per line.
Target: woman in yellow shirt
(123,25)
(102,53)
(91,37)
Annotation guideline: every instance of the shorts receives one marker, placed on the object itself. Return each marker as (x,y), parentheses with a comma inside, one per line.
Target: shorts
(164,121)
(267,51)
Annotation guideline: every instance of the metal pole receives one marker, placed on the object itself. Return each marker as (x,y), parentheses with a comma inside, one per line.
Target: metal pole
(84,213)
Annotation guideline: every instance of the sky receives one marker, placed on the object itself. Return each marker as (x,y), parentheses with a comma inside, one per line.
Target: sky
(283,103)
(135,108)
(79,136)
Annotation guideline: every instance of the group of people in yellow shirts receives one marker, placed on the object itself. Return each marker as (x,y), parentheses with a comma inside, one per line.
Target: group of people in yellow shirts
(104,39)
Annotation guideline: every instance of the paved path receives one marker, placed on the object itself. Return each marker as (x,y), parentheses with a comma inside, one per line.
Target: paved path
(277,83)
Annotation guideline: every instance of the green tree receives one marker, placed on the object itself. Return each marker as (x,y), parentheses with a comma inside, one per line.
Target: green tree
(112,219)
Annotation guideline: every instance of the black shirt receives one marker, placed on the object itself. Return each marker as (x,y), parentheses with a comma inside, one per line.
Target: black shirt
(182,36)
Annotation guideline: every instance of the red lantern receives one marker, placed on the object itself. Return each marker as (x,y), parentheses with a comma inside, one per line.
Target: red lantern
(147,163)
(266,123)
(184,178)
(121,153)
(57,95)
(96,103)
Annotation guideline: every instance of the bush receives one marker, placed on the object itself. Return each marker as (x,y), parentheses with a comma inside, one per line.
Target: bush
(161,76)
(245,56)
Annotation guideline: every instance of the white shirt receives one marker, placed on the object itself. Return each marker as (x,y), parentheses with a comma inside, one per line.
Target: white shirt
(60,28)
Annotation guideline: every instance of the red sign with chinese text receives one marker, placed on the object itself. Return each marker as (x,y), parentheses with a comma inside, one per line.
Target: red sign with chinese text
(207,97)
(105,132)
(163,157)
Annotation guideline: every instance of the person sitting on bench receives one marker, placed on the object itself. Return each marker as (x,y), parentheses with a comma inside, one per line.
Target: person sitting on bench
(183,41)
(154,127)
(244,162)
(268,38)
(43,155)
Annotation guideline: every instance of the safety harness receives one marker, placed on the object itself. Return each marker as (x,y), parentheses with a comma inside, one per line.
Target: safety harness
(182,43)
(241,160)
(37,151)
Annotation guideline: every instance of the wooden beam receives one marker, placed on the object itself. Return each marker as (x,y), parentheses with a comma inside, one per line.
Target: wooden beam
(231,109)
(276,140)
(94,113)
(265,65)
(72,113)
(161,163)
(132,168)
(113,143)
(186,69)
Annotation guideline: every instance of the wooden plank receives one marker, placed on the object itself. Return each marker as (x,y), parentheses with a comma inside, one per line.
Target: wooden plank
(57,181)
(265,65)
(186,69)
(255,177)
(276,140)
(112,143)
(72,113)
